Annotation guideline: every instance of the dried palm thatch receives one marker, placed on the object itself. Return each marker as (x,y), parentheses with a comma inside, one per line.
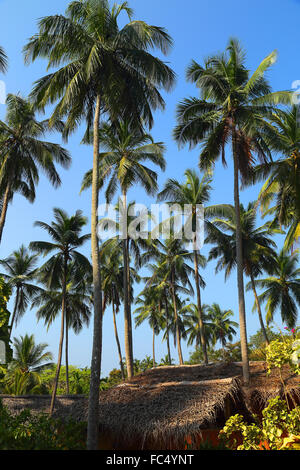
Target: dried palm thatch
(38,404)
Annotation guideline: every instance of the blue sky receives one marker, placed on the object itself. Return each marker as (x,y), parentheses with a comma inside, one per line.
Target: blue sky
(198,28)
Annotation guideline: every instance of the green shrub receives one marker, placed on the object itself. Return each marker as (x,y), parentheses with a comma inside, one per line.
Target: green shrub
(278,430)
(26,431)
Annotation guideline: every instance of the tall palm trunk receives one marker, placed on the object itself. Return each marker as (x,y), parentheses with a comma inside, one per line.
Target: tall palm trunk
(118,341)
(67,356)
(176,320)
(14,312)
(93,410)
(239,258)
(127,313)
(200,313)
(4,208)
(167,328)
(259,310)
(153,345)
(61,340)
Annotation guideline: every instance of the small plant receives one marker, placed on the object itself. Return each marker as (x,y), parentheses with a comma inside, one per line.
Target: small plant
(278,430)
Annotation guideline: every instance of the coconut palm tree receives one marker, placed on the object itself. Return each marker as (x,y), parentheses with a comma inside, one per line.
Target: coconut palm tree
(194,192)
(222,327)
(172,267)
(233,108)
(257,243)
(23,151)
(280,194)
(29,356)
(78,305)
(66,236)
(20,273)
(136,241)
(105,70)
(123,163)
(112,276)
(282,288)
(149,308)
(23,374)
(190,314)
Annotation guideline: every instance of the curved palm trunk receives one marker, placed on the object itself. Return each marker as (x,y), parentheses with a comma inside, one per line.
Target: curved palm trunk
(167,328)
(4,209)
(61,340)
(93,409)
(240,279)
(118,342)
(176,322)
(259,310)
(200,313)
(127,312)
(14,312)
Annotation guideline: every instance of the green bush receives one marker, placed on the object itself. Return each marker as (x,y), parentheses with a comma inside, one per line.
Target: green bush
(26,431)
(278,430)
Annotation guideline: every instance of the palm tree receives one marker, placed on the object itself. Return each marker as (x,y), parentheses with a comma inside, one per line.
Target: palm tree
(190,314)
(149,309)
(258,246)
(282,288)
(3,60)
(194,192)
(29,356)
(172,267)
(127,148)
(106,70)
(282,185)
(78,304)
(65,232)
(23,374)
(222,328)
(23,152)
(234,107)
(113,285)
(20,269)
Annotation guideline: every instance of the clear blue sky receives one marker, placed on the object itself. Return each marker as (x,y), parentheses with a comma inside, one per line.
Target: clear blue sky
(199,28)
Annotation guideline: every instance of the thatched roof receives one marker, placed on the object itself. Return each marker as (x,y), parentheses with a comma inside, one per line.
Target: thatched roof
(169,403)
(41,403)
(173,402)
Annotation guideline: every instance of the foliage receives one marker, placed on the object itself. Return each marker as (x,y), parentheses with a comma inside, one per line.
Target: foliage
(5,293)
(278,430)
(26,431)
(281,352)
(231,353)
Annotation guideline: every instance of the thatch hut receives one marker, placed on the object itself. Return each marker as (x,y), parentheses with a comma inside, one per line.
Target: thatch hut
(164,407)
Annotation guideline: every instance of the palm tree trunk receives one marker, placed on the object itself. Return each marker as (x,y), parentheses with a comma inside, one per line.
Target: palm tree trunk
(67,356)
(167,329)
(176,321)
(4,208)
(61,340)
(259,310)
(14,312)
(118,341)
(93,409)
(200,313)
(240,279)
(127,313)
(153,345)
